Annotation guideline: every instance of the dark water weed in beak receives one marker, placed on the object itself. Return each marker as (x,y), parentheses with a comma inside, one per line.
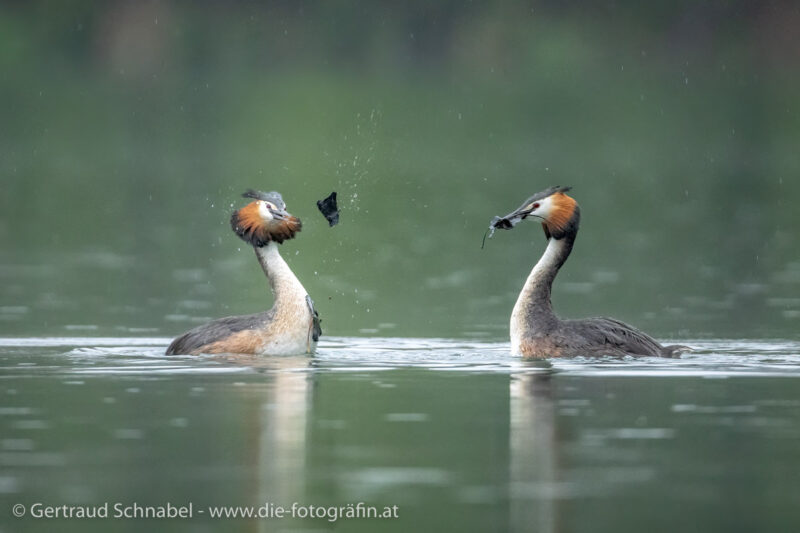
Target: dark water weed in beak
(497,222)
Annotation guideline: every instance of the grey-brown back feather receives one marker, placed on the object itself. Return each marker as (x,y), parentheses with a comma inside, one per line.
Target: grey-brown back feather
(217,330)
(612,336)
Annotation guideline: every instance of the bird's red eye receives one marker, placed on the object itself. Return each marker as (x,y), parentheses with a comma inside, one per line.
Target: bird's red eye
(535,206)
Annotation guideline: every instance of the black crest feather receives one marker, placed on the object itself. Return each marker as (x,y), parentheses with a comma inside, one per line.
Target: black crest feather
(272,197)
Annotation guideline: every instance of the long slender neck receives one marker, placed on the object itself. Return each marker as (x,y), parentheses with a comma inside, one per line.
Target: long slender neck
(285,285)
(533,304)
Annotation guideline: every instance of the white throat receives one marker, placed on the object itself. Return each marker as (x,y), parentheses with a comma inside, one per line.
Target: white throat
(284,283)
(537,286)
(292,320)
(547,263)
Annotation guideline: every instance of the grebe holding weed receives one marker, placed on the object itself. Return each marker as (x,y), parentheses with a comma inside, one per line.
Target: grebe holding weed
(536,331)
(292,326)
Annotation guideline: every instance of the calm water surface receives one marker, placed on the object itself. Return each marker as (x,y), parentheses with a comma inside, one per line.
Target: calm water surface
(677,124)
(458,434)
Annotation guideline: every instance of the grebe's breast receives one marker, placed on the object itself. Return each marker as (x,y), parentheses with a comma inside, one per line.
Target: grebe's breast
(517,327)
(293,330)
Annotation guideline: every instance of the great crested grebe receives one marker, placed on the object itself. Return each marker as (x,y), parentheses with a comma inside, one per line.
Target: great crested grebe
(292,326)
(536,332)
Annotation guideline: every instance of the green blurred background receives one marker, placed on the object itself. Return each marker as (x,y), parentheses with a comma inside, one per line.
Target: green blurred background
(130,128)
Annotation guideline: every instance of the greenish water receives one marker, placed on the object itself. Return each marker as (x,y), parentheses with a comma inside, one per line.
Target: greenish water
(458,434)
(130,128)
(121,163)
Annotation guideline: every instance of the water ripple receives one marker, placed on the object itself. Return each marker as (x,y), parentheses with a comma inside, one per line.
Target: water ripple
(86,356)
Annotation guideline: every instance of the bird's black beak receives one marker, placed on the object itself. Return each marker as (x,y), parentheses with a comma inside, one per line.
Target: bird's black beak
(279,214)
